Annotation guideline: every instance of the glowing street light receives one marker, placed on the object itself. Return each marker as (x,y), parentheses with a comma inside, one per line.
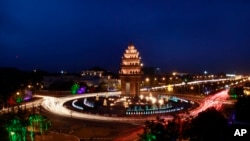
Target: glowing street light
(160,101)
(141,97)
(205,72)
(170,88)
(153,100)
(191,87)
(174,73)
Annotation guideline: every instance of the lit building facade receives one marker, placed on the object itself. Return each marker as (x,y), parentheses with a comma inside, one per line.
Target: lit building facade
(130,73)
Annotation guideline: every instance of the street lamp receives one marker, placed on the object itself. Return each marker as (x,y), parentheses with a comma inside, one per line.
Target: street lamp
(174,73)
(147,81)
(141,97)
(205,72)
(160,102)
(191,87)
(153,100)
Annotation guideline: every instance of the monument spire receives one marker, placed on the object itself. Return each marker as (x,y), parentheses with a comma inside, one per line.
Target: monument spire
(130,72)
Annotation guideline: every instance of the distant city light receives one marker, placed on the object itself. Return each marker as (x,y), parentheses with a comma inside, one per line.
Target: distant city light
(230,75)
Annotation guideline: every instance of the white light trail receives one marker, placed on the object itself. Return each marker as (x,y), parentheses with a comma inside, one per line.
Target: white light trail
(56,106)
(76,106)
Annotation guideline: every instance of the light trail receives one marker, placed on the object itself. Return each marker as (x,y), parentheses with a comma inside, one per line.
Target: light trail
(76,106)
(215,101)
(56,106)
(189,83)
(27,105)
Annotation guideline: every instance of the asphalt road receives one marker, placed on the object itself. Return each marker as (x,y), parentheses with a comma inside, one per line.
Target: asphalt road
(88,129)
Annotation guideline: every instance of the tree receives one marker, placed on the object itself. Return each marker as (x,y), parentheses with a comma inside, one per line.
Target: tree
(14,126)
(3,131)
(186,129)
(172,131)
(209,125)
(241,106)
(159,131)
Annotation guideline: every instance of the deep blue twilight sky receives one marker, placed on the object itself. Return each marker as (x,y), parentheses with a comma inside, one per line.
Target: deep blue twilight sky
(174,35)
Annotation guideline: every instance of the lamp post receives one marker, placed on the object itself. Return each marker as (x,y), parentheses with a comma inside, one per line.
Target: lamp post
(147,82)
(161,102)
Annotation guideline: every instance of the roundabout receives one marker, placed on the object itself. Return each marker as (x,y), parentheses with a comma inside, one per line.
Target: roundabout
(121,109)
(61,106)
(125,106)
(62,114)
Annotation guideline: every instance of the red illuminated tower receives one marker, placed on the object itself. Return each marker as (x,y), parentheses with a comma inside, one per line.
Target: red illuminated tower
(130,73)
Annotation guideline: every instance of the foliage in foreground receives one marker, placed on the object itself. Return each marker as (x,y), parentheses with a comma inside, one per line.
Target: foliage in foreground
(208,125)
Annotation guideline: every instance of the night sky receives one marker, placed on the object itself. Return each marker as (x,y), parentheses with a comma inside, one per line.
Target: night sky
(174,35)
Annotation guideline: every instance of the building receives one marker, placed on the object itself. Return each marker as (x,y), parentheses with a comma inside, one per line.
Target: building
(130,73)
(95,71)
(98,76)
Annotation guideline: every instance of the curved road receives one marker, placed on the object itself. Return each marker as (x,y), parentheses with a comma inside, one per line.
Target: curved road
(55,105)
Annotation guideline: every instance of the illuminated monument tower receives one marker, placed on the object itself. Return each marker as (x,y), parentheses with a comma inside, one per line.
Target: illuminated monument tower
(130,73)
